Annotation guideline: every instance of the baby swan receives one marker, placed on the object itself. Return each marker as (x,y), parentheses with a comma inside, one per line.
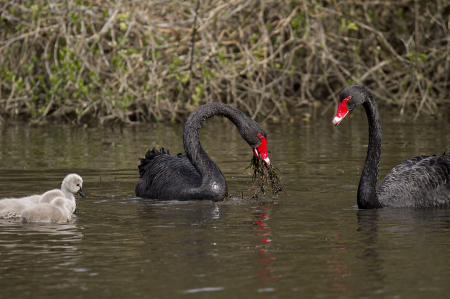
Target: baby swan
(57,211)
(72,184)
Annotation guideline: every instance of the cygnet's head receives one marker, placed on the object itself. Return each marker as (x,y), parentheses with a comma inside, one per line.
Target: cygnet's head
(63,204)
(74,183)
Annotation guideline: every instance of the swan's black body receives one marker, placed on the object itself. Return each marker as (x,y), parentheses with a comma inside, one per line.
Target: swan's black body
(421,181)
(193,176)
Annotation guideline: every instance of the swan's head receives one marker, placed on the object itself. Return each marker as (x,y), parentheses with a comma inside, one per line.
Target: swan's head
(74,183)
(350,98)
(256,137)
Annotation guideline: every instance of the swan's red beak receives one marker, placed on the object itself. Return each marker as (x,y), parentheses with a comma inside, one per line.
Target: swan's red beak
(262,150)
(342,112)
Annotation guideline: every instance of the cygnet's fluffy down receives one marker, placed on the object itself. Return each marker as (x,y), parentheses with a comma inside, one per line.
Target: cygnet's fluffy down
(13,207)
(57,211)
(48,196)
(32,198)
(72,184)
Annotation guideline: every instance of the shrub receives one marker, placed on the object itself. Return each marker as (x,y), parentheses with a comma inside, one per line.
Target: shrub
(133,61)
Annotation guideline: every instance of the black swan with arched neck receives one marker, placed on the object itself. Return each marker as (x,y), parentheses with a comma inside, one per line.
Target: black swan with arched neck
(421,181)
(194,176)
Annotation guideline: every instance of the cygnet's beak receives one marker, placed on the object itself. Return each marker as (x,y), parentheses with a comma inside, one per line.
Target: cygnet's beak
(81,193)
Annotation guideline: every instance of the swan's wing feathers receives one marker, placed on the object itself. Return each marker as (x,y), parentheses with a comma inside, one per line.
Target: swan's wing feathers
(164,176)
(178,170)
(407,164)
(149,156)
(419,181)
(144,161)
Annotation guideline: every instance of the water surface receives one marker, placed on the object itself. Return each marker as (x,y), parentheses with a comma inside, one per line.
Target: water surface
(310,243)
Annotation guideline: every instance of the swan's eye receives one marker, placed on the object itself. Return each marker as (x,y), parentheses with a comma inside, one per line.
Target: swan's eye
(259,135)
(349,97)
(78,185)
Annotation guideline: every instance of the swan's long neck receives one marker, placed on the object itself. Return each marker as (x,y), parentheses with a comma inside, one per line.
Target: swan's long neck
(67,193)
(206,168)
(367,194)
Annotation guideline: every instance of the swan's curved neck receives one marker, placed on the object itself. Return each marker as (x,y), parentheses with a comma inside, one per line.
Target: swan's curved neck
(67,193)
(367,194)
(206,168)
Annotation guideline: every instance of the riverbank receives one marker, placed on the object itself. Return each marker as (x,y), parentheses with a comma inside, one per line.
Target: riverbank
(134,61)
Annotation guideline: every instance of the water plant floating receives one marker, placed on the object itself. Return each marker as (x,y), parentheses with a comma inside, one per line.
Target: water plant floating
(265,176)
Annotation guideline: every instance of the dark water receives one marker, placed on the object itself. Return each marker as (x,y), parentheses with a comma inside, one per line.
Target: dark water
(310,243)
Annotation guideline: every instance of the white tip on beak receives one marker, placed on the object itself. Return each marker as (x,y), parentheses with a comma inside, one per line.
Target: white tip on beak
(337,120)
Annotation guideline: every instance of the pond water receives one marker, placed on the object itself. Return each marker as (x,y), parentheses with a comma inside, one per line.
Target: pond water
(311,242)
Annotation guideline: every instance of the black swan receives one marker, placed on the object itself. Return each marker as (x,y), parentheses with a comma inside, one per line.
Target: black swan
(421,181)
(194,176)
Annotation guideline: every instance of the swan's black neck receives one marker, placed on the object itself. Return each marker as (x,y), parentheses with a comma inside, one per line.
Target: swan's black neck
(367,194)
(212,178)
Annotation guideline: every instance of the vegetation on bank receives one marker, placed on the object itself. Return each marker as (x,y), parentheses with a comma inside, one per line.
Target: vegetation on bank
(134,61)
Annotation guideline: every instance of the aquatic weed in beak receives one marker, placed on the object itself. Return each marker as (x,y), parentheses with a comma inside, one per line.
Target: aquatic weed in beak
(264,175)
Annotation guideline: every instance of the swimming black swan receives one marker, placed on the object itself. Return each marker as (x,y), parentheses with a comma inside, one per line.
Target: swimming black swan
(194,176)
(421,181)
